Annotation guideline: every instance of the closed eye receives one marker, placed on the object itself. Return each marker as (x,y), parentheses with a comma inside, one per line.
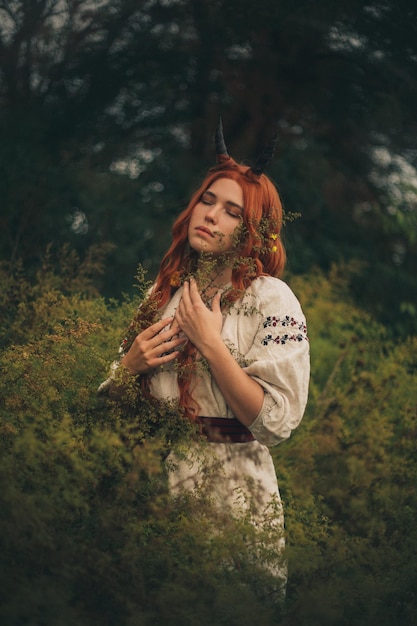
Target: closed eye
(234,213)
(207,198)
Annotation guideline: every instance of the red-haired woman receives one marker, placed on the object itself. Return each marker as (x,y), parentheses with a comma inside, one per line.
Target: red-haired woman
(230,344)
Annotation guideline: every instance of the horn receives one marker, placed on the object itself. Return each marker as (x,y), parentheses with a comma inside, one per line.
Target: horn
(266,157)
(221,149)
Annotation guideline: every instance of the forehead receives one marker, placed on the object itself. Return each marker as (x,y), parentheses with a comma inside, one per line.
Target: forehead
(228,190)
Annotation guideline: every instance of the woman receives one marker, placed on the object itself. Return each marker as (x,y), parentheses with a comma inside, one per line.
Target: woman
(229,343)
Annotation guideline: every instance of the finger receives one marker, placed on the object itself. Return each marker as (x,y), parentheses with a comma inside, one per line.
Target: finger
(154,336)
(193,289)
(185,306)
(215,305)
(169,346)
(156,328)
(175,327)
(161,360)
(166,358)
(169,333)
(160,346)
(185,298)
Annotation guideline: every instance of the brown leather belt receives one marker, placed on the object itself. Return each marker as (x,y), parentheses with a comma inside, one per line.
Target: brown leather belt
(224,430)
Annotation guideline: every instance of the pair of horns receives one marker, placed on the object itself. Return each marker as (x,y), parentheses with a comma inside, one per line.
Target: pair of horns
(262,162)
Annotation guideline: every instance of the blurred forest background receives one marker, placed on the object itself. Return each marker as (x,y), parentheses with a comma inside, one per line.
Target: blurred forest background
(107,116)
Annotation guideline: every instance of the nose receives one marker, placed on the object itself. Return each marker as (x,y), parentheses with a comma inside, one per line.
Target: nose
(212,213)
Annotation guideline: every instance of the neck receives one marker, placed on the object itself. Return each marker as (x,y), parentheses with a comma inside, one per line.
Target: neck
(213,272)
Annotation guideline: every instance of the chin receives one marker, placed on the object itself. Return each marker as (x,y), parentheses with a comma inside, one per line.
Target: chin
(200,246)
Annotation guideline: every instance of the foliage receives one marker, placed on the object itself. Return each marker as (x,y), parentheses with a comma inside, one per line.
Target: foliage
(348,475)
(88,532)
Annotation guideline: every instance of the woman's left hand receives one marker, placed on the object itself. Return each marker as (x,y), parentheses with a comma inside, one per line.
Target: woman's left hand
(201,325)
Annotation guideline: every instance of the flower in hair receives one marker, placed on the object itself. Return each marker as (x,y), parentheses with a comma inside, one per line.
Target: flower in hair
(274,237)
(175,280)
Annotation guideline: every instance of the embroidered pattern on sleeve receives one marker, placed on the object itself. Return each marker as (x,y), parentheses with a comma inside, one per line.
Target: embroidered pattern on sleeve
(292,330)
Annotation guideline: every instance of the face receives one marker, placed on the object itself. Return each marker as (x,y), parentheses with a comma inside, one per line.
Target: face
(216,217)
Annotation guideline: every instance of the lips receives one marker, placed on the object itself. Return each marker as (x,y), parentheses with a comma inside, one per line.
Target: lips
(203,229)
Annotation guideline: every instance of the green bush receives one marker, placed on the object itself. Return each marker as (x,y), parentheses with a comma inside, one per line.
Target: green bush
(88,531)
(348,477)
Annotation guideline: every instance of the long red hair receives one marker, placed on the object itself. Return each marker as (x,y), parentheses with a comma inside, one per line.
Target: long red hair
(260,251)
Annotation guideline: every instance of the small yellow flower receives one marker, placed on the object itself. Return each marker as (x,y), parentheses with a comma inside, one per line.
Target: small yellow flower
(274,249)
(175,279)
(274,236)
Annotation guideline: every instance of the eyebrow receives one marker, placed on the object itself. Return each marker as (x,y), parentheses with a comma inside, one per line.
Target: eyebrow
(228,202)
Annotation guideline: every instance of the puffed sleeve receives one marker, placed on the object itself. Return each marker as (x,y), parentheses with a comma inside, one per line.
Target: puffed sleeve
(279,360)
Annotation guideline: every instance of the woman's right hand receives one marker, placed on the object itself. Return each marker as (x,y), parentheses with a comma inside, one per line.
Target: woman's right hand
(152,348)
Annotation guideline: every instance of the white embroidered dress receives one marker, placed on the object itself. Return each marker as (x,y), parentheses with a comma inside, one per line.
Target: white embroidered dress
(266,332)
